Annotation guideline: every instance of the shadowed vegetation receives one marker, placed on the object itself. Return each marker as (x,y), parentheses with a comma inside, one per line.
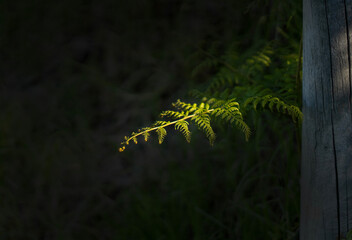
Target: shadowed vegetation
(77,76)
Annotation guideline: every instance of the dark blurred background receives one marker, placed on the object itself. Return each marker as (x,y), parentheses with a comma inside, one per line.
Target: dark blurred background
(77,76)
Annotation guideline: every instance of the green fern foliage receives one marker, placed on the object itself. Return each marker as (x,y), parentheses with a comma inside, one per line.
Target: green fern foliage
(198,114)
(261,80)
(271,81)
(182,126)
(161,134)
(229,111)
(274,103)
(202,120)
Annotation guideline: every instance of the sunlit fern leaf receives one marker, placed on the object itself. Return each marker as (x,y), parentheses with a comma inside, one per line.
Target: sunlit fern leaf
(229,111)
(160,123)
(161,134)
(146,136)
(182,126)
(231,105)
(202,120)
(172,114)
(185,106)
(258,81)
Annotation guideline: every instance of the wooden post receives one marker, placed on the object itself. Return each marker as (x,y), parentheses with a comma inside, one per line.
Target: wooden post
(326,170)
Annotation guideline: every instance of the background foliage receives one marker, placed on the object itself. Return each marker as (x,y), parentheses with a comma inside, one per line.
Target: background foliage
(77,76)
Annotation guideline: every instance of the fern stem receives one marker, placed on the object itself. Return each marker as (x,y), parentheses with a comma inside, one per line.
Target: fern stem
(165,125)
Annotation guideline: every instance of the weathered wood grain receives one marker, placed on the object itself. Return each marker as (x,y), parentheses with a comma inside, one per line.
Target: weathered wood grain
(326,167)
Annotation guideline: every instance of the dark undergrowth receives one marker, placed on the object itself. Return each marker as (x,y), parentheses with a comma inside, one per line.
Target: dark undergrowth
(77,76)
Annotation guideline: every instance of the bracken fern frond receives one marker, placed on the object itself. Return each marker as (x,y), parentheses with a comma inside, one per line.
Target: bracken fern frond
(261,81)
